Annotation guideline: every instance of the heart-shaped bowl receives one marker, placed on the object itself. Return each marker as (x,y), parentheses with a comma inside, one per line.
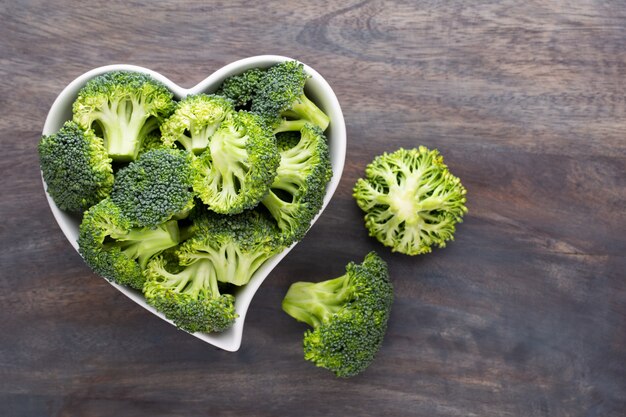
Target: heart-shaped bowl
(316,88)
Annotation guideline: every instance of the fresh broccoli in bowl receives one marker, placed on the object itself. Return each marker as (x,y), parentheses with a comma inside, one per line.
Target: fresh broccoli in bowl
(348,316)
(155,188)
(115,249)
(280,97)
(243,87)
(188,294)
(297,193)
(195,120)
(238,166)
(75,167)
(411,200)
(235,245)
(123,107)
(186,284)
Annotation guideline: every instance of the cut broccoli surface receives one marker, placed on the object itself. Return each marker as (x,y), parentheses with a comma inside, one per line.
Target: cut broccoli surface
(236,170)
(411,200)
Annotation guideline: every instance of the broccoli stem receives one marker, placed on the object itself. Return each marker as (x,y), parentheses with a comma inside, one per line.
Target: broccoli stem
(290,125)
(124,126)
(239,267)
(275,206)
(314,303)
(143,244)
(306,109)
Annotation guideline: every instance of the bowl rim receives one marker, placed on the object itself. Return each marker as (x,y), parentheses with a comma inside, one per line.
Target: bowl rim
(231,339)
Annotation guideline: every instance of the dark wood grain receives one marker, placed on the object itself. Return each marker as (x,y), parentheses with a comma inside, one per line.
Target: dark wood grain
(523,315)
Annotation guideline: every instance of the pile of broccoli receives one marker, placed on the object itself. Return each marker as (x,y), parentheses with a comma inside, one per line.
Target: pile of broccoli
(185,200)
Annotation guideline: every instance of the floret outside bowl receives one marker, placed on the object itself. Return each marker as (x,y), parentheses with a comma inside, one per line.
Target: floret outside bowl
(316,88)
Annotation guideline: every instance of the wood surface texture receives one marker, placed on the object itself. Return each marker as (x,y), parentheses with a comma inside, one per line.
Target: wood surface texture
(523,315)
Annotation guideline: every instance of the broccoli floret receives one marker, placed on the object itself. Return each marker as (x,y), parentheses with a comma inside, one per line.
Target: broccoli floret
(297,193)
(236,170)
(115,249)
(241,88)
(281,98)
(287,140)
(235,245)
(124,107)
(154,188)
(152,141)
(412,202)
(195,120)
(75,167)
(189,294)
(348,314)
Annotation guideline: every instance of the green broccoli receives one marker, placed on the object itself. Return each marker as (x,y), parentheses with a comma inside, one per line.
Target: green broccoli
(123,106)
(297,193)
(195,120)
(241,88)
(287,140)
(280,97)
(115,249)
(189,294)
(348,314)
(236,170)
(150,142)
(412,202)
(75,167)
(235,245)
(154,188)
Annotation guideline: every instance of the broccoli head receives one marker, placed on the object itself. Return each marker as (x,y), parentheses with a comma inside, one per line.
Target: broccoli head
(280,97)
(412,202)
(348,316)
(75,167)
(297,193)
(236,245)
(189,295)
(115,249)
(236,170)
(241,88)
(123,107)
(195,120)
(155,187)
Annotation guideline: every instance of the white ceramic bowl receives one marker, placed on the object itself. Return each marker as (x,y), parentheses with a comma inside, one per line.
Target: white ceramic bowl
(316,88)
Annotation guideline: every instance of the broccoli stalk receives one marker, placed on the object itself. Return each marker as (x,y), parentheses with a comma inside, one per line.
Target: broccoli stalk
(305,110)
(189,295)
(348,316)
(142,244)
(124,107)
(412,202)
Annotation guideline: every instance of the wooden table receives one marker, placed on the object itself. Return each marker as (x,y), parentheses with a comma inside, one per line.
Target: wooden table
(523,315)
